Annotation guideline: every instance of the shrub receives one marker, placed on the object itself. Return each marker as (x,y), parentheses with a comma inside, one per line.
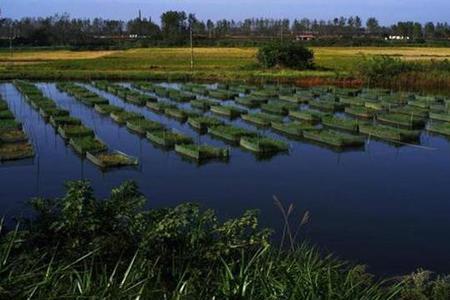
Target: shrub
(381,68)
(82,247)
(290,55)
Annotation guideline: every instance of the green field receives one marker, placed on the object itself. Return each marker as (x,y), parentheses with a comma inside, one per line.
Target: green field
(174,63)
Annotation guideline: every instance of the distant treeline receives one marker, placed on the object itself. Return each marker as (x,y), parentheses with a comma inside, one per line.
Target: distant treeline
(175,27)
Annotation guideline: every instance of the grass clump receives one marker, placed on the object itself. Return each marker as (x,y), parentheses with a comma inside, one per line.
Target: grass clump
(230,133)
(168,139)
(6,114)
(9,124)
(87,144)
(203,104)
(439,128)
(360,112)
(341,123)
(334,138)
(261,119)
(202,152)
(142,126)
(278,107)
(263,145)
(107,160)
(107,109)
(327,106)
(292,129)
(122,117)
(307,115)
(202,123)
(250,101)
(228,111)
(57,121)
(443,116)
(159,107)
(74,131)
(12,135)
(401,120)
(389,133)
(15,151)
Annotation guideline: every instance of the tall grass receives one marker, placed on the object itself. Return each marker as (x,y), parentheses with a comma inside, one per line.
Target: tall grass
(80,247)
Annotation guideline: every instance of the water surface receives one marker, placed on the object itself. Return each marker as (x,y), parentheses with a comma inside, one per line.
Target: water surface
(384,206)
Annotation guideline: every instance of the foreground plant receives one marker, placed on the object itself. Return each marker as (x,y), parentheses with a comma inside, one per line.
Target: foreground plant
(82,247)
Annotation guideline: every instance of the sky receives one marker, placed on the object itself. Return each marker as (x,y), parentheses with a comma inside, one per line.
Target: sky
(387,11)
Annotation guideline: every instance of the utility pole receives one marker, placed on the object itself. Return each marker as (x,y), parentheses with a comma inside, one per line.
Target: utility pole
(281,33)
(140,24)
(11,39)
(192,47)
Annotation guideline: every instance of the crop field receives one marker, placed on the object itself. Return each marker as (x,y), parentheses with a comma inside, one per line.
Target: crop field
(174,63)
(336,118)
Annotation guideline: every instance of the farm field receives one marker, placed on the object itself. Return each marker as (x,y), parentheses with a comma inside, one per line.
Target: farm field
(174,63)
(354,152)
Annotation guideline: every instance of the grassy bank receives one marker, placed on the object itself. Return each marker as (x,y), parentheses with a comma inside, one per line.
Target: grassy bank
(332,63)
(86,248)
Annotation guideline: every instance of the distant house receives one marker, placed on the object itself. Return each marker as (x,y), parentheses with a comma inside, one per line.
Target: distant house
(305,37)
(397,37)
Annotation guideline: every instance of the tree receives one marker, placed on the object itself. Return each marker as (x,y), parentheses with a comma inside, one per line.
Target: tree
(372,25)
(174,26)
(429,30)
(143,27)
(290,55)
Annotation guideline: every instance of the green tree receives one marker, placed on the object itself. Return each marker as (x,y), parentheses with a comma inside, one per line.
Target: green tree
(174,26)
(290,55)
(373,27)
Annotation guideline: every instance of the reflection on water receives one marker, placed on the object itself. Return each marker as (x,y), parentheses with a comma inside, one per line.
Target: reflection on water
(385,206)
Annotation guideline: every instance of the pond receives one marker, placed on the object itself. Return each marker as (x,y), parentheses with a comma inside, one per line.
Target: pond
(383,205)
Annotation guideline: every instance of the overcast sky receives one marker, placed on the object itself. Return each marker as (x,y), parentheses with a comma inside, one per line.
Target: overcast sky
(387,11)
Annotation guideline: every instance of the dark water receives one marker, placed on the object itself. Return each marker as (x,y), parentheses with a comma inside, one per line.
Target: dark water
(385,206)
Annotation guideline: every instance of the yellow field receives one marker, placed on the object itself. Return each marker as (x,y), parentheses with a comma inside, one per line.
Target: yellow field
(210,63)
(322,53)
(36,56)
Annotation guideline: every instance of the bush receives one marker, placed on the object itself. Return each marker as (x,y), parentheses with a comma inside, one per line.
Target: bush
(82,247)
(290,55)
(380,68)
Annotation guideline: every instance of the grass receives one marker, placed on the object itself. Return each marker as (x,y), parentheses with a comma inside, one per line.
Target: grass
(122,117)
(174,63)
(74,131)
(202,123)
(57,121)
(142,126)
(168,139)
(230,133)
(115,159)
(228,111)
(307,115)
(202,152)
(12,135)
(203,104)
(334,138)
(263,145)
(107,109)
(16,151)
(439,128)
(389,133)
(340,123)
(9,124)
(87,144)
(261,118)
(292,129)
(401,120)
